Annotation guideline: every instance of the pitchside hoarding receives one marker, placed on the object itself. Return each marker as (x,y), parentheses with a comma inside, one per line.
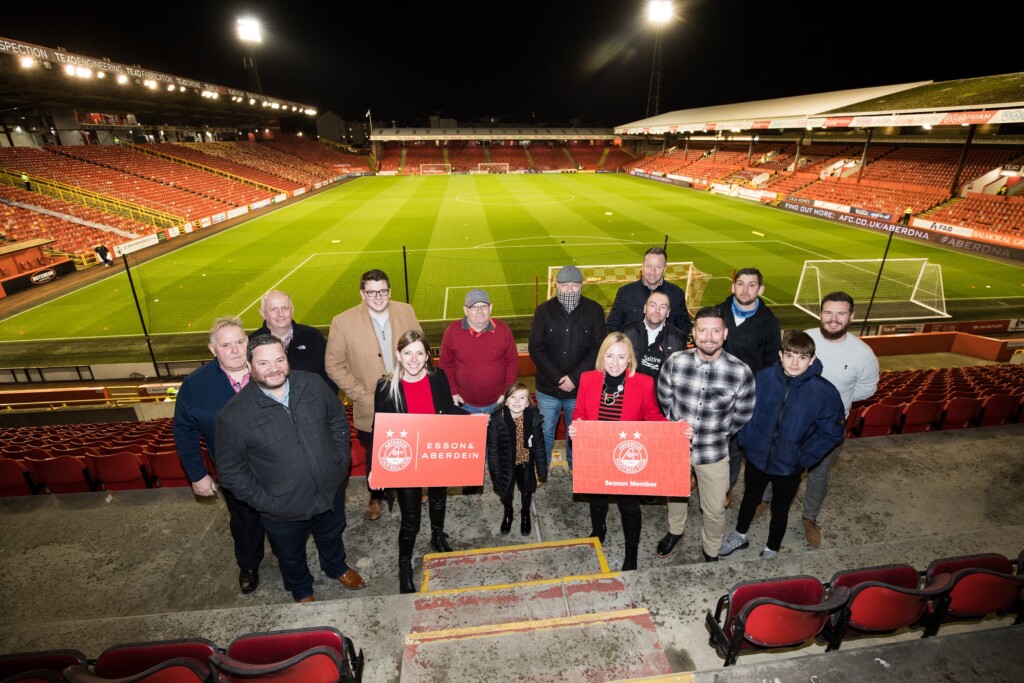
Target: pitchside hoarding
(631,458)
(428,450)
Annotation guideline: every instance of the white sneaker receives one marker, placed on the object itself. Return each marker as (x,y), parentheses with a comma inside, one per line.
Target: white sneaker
(734,541)
(769,554)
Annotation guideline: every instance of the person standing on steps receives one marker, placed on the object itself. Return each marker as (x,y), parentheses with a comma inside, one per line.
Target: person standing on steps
(515,454)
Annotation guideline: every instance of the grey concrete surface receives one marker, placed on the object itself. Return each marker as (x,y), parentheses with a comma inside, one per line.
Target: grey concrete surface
(92,570)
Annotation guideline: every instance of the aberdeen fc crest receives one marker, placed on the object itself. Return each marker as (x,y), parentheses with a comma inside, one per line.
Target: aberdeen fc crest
(630,456)
(395,455)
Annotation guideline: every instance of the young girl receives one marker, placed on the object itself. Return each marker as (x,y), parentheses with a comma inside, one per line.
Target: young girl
(515,453)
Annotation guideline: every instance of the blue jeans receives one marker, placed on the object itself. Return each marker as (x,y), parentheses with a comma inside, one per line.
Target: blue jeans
(288,539)
(487,410)
(549,408)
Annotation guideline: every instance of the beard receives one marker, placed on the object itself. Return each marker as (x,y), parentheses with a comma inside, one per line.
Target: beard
(261,381)
(833,336)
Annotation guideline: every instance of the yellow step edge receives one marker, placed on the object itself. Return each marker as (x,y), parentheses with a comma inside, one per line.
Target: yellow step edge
(537,625)
(539,582)
(664,678)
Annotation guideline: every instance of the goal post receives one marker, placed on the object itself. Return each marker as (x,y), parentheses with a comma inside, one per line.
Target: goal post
(603,281)
(908,289)
(492,167)
(435,169)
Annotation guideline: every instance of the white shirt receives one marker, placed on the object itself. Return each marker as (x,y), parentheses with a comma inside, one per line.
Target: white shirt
(849,364)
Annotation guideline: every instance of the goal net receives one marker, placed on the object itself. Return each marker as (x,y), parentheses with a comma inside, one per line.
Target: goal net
(908,289)
(603,281)
(435,169)
(492,167)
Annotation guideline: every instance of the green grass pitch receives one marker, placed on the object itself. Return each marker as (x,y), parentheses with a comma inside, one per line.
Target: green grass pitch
(500,232)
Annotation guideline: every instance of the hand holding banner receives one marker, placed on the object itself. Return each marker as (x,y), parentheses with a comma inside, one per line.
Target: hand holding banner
(631,458)
(427,450)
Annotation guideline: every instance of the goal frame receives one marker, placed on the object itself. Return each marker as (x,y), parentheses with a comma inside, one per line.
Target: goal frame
(492,167)
(435,169)
(683,273)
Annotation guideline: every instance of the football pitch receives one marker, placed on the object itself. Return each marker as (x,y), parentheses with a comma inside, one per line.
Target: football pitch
(499,232)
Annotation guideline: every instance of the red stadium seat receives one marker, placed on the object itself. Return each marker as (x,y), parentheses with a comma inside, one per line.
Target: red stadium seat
(182,670)
(982,585)
(134,658)
(997,409)
(878,419)
(121,471)
(919,416)
(166,467)
(277,647)
(63,474)
(48,660)
(16,479)
(959,412)
(316,665)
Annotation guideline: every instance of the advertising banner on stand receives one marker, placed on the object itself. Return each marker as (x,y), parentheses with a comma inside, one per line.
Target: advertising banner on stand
(428,450)
(631,458)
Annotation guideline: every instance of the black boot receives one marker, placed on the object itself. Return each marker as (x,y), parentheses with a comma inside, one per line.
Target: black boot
(405,584)
(598,515)
(629,561)
(436,507)
(524,527)
(506,522)
(439,541)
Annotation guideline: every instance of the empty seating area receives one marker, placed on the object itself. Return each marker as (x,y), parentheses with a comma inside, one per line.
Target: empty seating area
(936,166)
(511,154)
(587,156)
(319,154)
(617,159)
(111,183)
(948,398)
(391,157)
(77,210)
(417,153)
(549,157)
(217,156)
(785,184)
(465,156)
(988,212)
(793,611)
(892,200)
(166,172)
(24,224)
(307,655)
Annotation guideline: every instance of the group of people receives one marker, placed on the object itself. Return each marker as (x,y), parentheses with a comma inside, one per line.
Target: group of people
(268,411)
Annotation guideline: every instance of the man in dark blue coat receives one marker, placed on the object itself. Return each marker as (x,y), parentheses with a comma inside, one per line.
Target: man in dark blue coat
(630,299)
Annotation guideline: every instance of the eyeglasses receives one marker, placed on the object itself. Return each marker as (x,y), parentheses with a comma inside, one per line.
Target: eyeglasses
(479,308)
(377,293)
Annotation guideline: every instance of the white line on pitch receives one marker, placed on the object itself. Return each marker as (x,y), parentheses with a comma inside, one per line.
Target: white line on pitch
(274,286)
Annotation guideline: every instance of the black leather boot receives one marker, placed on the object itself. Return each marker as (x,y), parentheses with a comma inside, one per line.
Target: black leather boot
(629,561)
(405,584)
(524,527)
(439,541)
(438,538)
(506,522)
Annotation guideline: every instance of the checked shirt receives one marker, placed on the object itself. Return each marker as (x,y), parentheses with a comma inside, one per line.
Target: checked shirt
(716,398)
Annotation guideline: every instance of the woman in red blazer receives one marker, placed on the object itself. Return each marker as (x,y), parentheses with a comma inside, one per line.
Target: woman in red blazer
(616,391)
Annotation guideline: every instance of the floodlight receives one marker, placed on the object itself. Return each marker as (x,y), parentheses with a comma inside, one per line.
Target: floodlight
(252,101)
(83,72)
(170,88)
(69,69)
(27,62)
(927,126)
(660,11)
(249,30)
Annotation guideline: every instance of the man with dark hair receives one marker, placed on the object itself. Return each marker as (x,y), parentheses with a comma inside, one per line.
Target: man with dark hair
(654,338)
(565,335)
(284,449)
(754,337)
(361,349)
(306,345)
(631,298)
(713,391)
(200,398)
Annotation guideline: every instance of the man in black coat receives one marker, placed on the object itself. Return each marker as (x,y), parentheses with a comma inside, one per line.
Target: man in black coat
(306,345)
(654,339)
(754,337)
(283,448)
(565,336)
(630,299)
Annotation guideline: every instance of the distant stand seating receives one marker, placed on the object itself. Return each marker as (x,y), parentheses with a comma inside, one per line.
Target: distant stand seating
(320,154)
(988,212)
(391,157)
(465,156)
(78,210)
(548,157)
(421,153)
(511,154)
(23,224)
(216,155)
(617,159)
(586,155)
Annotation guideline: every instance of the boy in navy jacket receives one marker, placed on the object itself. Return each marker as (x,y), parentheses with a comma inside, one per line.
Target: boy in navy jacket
(798,419)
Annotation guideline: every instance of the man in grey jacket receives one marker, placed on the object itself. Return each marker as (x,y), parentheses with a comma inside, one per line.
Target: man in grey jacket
(283,448)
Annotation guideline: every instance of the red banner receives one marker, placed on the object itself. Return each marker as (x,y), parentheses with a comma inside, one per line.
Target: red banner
(428,450)
(631,458)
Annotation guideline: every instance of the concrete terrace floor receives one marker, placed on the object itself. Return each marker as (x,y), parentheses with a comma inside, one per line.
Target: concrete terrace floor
(88,571)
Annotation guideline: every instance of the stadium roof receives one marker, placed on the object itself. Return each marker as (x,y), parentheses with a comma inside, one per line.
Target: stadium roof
(989,99)
(33,77)
(470,133)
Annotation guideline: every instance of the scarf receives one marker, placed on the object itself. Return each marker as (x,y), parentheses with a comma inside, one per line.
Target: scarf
(569,300)
(741,314)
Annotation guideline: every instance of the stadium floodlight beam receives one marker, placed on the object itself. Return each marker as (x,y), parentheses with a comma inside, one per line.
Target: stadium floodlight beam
(659,14)
(250,34)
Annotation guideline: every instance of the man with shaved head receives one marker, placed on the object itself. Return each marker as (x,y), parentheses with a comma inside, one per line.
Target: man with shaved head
(306,345)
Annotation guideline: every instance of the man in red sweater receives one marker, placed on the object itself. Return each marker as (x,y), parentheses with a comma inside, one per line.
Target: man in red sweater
(479,356)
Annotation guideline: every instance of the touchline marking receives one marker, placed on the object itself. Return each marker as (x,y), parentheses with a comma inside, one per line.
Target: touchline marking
(274,286)
(555,237)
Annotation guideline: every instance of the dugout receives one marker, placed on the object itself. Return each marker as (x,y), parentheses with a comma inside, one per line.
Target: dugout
(26,264)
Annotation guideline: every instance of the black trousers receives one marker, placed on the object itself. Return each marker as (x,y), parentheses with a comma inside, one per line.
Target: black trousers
(410,502)
(518,479)
(783,493)
(366,439)
(629,510)
(246,531)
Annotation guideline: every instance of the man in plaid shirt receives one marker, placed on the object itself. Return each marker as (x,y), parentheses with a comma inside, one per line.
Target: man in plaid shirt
(713,391)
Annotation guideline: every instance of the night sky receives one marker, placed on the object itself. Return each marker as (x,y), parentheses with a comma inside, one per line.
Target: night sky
(539,63)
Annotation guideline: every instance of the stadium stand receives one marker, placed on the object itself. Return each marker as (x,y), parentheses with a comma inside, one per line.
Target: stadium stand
(323,156)
(466,156)
(617,159)
(24,224)
(86,213)
(421,153)
(549,157)
(989,212)
(223,157)
(511,154)
(390,160)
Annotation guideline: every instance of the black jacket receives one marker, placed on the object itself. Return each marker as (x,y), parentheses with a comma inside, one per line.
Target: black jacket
(286,463)
(565,344)
(757,341)
(307,351)
(501,452)
(440,392)
(630,300)
(672,340)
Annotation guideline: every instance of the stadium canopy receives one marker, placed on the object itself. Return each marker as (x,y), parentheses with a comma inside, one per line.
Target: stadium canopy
(469,133)
(35,79)
(978,101)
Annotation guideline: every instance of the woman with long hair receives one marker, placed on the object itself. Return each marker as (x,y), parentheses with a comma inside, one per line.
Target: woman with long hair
(616,391)
(415,387)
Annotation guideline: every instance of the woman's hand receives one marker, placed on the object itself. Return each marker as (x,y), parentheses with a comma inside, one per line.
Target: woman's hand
(571,431)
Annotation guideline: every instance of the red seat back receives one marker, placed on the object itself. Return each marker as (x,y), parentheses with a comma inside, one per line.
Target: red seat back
(166,467)
(120,471)
(62,474)
(316,665)
(15,478)
(134,658)
(49,660)
(276,646)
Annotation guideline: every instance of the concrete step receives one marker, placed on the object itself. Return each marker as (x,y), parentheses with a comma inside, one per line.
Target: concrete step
(592,647)
(502,566)
(537,600)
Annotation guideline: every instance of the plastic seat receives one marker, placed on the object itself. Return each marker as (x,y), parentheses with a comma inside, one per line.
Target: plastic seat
(919,416)
(180,670)
(121,471)
(166,467)
(47,660)
(63,474)
(878,420)
(982,585)
(321,664)
(784,612)
(959,412)
(273,647)
(134,658)
(997,409)
(36,676)
(16,479)
(885,599)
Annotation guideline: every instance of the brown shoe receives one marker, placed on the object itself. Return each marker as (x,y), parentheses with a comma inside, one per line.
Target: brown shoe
(812,532)
(728,499)
(351,580)
(693,482)
(762,508)
(373,509)
(308,598)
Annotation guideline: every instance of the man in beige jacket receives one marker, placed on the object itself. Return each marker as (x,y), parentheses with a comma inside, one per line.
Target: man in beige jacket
(362,348)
